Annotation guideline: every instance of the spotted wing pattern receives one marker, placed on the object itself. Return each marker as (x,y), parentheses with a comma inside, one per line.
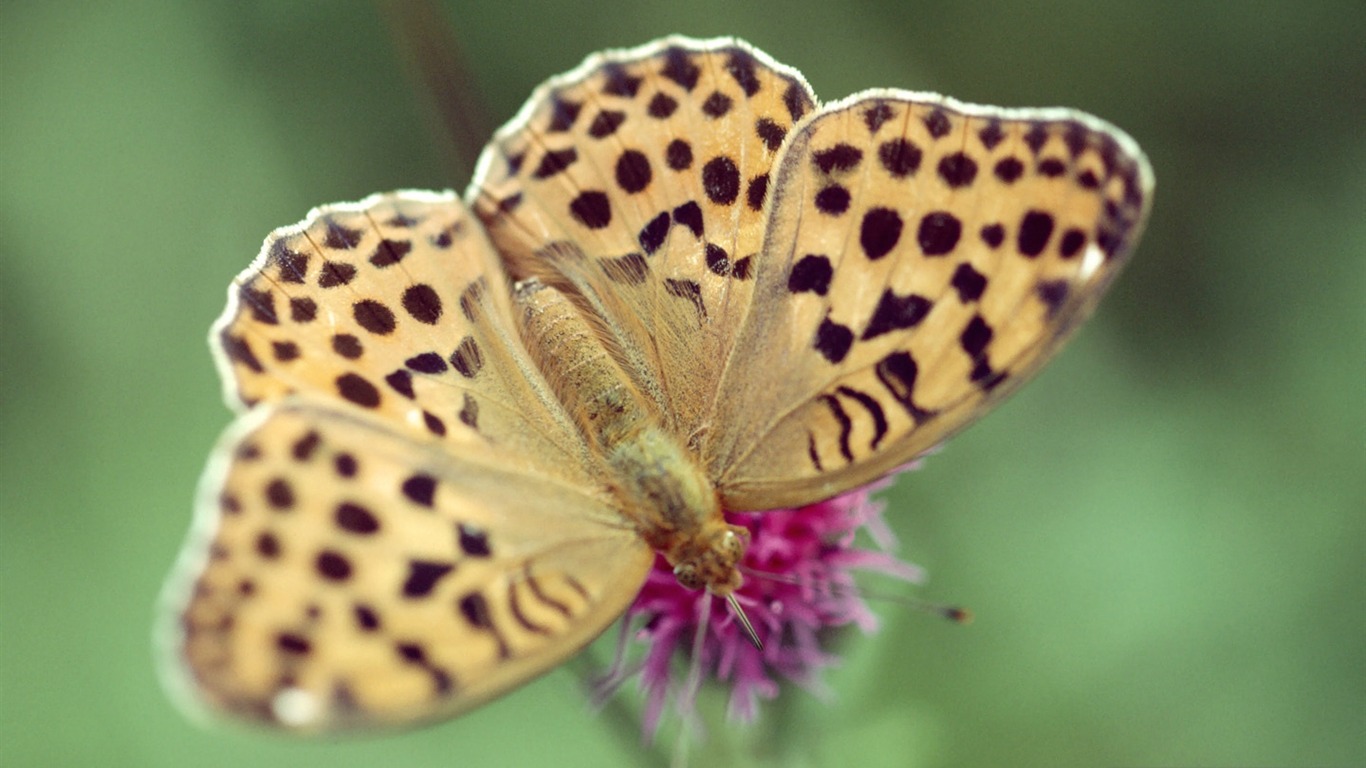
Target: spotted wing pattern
(344,575)
(408,520)
(397,306)
(922,259)
(638,182)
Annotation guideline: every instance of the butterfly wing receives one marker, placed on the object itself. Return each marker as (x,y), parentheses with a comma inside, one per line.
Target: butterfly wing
(344,575)
(399,307)
(406,522)
(922,259)
(874,274)
(636,183)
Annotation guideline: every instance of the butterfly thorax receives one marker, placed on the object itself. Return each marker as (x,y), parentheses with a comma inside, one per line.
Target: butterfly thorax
(657,480)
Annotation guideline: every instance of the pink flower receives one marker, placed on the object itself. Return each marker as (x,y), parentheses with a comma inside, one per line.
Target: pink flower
(799,583)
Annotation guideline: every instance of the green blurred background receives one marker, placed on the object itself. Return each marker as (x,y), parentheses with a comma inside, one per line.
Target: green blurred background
(1162,537)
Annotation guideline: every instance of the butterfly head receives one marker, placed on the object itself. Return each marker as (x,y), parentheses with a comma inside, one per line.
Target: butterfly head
(711,559)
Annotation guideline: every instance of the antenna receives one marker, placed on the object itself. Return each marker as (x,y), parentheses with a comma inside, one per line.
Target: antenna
(739,612)
(956,614)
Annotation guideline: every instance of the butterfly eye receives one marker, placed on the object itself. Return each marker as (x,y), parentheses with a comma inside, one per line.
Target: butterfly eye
(687,576)
(734,542)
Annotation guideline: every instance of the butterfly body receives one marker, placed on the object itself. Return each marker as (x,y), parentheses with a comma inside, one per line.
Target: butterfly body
(677,285)
(658,481)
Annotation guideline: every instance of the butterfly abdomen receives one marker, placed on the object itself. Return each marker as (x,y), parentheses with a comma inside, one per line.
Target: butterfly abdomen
(582,374)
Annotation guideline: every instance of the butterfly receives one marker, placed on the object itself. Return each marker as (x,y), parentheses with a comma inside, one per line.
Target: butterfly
(676,285)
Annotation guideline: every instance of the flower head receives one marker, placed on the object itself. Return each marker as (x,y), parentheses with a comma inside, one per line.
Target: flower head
(799,583)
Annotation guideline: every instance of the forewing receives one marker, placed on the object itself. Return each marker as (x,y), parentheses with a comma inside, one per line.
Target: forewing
(636,183)
(345,575)
(397,307)
(922,259)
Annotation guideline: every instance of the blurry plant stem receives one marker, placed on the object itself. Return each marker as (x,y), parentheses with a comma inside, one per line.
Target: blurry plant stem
(622,719)
(427,41)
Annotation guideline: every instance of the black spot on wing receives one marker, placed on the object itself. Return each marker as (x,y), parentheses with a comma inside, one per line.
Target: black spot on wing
(661,106)
(742,68)
(420,489)
(957,170)
(1053,293)
(1035,229)
(837,159)
(879,232)
(563,113)
(833,340)
(1008,169)
(302,309)
(591,209)
(606,123)
(985,377)
(976,336)
(896,313)
(875,412)
(755,191)
(690,291)
(796,100)
(770,133)
(554,162)
(422,303)
(900,157)
(475,610)
(467,358)
(812,453)
(374,317)
(716,105)
(469,412)
(335,273)
(679,67)
(633,171)
(938,233)
(689,215)
(937,123)
(1074,136)
(653,233)
(356,389)
(473,540)
(355,518)
(1072,241)
(285,350)
(261,303)
(721,180)
(239,351)
(433,423)
(426,362)
(811,274)
(993,235)
(618,82)
(423,576)
(718,261)
(340,236)
(293,265)
(968,282)
(846,425)
(876,115)
(390,252)
(630,269)
(832,200)
(991,134)
(898,372)
(401,382)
